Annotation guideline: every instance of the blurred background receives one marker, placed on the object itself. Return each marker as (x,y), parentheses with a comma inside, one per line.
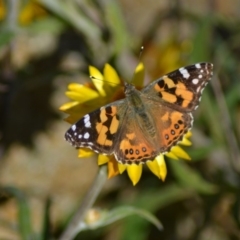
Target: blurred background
(47,44)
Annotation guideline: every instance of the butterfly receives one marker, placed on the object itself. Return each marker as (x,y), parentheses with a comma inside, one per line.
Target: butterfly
(145,123)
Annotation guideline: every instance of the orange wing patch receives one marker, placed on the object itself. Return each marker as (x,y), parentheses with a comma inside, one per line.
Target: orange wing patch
(174,92)
(108,126)
(169,97)
(178,126)
(131,150)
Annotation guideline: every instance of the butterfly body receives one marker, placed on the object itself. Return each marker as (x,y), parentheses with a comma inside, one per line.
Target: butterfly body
(137,105)
(147,122)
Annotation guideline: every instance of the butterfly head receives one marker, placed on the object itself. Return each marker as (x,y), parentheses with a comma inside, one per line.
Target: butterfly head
(129,88)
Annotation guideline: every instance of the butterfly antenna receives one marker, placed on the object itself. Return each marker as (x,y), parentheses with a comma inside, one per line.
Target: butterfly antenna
(139,61)
(98,79)
(140,53)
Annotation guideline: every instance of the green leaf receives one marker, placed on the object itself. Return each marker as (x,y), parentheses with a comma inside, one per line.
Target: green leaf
(201,40)
(73,14)
(24,218)
(5,37)
(200,153)
(152,200)
(210,117)
(116,24)
(46,25)
(46,229)
(191,179)
(233,96)
(108,217)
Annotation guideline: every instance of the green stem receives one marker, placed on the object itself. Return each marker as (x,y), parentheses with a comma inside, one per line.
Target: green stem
(75,224)
(12,16)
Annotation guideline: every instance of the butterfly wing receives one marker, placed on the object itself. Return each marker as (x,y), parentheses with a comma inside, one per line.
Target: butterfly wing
(169,102)
(135,137)
(98,129)
(170,125)
(153,132)
(182,88)
(134,143)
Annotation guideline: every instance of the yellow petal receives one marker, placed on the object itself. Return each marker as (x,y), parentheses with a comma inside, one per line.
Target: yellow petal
(31,11)
(81,93)
(179,152)
(134,173)
(75,87)
(85,152)
(172,155)
(97,79)
(153,166)
(26,15)
(122,167)
(2,10)
(158,167)
(77,110)
(188,134)
(185,142)
(171,54)
(110,75)
(102,159)
(83,89)
(112,167)
(138,77)
(68,105)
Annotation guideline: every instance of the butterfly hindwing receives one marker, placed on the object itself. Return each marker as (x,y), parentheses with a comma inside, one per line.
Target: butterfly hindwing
(134,145)
(170,125)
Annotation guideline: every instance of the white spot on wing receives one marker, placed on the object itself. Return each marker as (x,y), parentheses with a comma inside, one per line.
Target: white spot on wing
(74,127)
(184,72)
(198,89)
(195,81)
(86,117)
(86,121)
(86,135)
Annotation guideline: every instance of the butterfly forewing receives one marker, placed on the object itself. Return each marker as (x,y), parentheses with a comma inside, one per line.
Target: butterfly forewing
(182,88)
(97,130)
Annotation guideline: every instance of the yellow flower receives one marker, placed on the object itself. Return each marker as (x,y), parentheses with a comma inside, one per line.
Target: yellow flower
(31,11)
(106,88)
(2,10)
(28,12)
